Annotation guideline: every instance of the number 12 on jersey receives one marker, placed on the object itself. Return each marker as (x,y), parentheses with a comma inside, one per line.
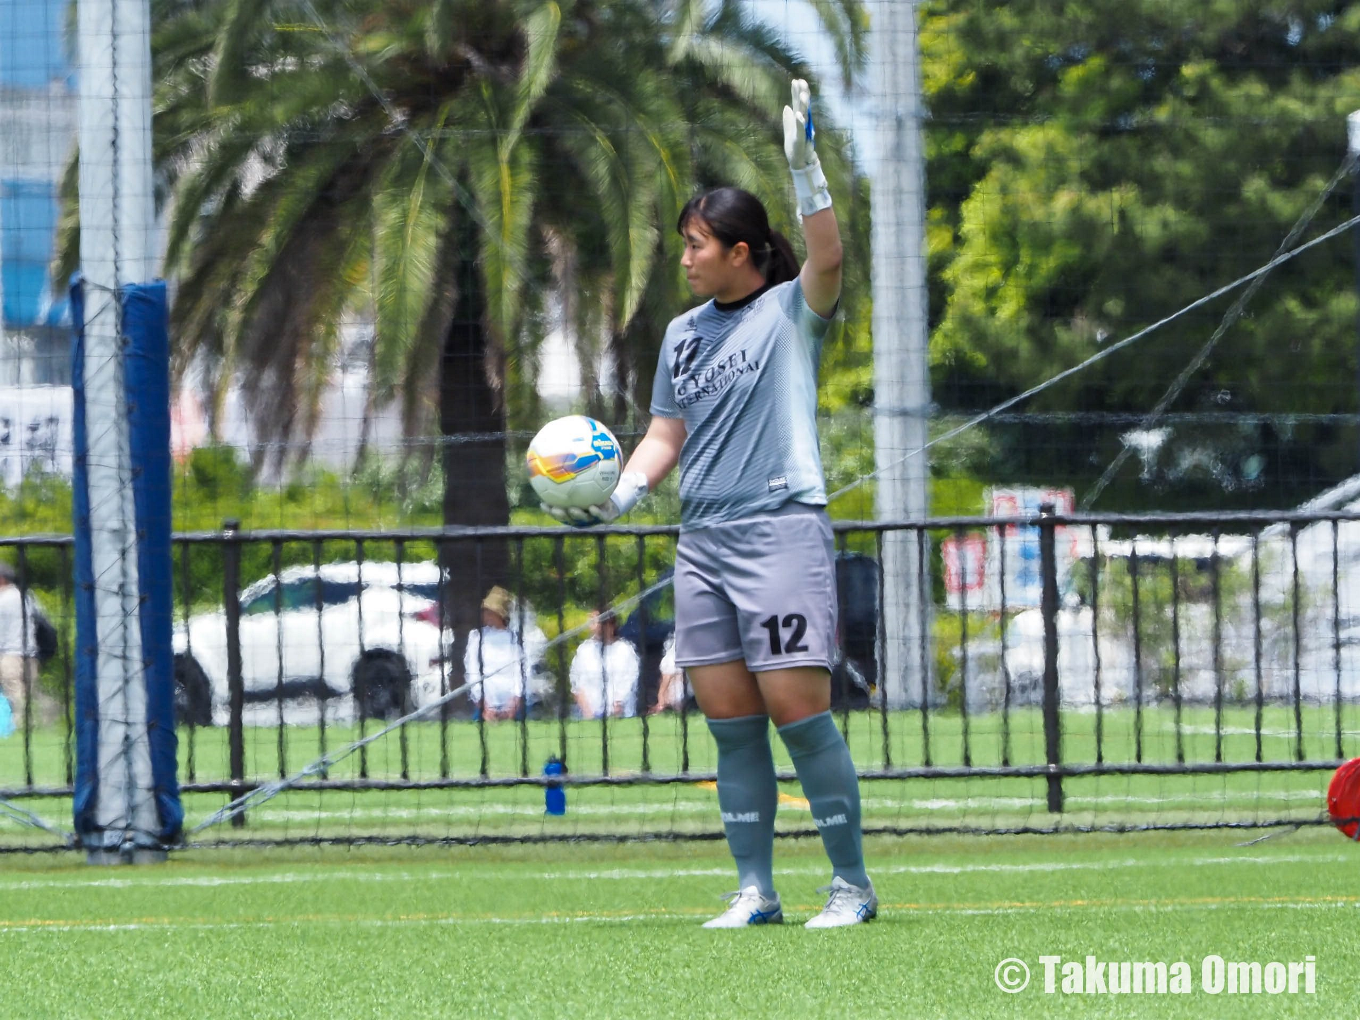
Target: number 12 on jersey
(795,624)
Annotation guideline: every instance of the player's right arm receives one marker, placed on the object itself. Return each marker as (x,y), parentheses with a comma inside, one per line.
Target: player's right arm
(652,460)
(659,451)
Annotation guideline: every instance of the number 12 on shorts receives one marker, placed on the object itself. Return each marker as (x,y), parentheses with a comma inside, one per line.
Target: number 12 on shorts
(795,624)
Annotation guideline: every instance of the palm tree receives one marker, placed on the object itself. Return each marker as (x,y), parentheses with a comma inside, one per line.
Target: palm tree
(439,165)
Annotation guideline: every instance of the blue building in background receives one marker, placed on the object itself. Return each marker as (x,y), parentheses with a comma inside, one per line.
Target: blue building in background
(37,134)
(33,45)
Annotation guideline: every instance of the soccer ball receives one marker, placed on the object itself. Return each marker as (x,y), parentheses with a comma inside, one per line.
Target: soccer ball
(1343,798)
(574,462)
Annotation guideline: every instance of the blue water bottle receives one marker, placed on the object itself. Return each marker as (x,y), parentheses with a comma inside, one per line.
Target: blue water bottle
(554,795)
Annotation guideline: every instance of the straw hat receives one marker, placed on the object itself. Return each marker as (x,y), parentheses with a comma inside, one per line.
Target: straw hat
(498,601)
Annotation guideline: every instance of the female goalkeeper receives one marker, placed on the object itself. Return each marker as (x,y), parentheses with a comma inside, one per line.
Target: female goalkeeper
(734,402)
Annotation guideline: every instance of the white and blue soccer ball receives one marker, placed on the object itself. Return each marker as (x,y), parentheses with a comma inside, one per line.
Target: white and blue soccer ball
(574,462)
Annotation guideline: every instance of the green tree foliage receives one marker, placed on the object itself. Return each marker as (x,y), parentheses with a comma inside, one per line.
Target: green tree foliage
(1097,164)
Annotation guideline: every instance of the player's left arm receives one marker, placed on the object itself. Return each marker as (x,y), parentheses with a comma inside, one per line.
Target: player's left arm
(821,273)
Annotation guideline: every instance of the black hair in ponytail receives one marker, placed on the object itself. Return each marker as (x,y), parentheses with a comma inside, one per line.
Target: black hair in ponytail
(733,216)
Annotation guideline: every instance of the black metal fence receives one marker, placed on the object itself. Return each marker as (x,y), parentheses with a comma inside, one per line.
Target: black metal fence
(1079,672)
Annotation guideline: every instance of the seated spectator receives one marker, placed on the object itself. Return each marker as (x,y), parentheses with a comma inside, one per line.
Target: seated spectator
(671,692)
(604,672)
(18,644)
(539,683)
(494,662)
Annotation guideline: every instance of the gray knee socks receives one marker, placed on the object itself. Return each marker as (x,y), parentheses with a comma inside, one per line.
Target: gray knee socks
(748,796)
(829,782)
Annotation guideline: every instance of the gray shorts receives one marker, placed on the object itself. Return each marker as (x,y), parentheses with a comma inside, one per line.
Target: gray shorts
(761,589)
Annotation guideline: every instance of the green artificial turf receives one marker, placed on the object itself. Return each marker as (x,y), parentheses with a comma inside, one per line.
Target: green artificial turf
(613,931)
(465,750)
(944,738)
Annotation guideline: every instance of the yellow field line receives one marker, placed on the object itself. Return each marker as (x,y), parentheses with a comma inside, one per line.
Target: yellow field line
(1195,901)
(784,798)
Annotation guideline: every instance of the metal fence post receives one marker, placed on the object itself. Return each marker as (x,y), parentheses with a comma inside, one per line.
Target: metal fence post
(1048,569)
(231,604)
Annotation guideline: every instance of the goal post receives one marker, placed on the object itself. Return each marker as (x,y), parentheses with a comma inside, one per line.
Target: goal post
(126,802)
(126,789)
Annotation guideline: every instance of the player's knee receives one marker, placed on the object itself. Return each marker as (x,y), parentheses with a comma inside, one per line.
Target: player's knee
(726,690)
(792,695)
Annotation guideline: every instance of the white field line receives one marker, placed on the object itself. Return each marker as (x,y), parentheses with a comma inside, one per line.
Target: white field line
(642,874)
(367,922)
(957,869)
(1244,797)
(1248,731)
(1224,797)
(662,915)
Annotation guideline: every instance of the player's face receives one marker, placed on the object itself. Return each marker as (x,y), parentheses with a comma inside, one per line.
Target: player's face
(710,266)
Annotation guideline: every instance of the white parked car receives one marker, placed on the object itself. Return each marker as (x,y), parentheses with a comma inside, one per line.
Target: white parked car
(330,641)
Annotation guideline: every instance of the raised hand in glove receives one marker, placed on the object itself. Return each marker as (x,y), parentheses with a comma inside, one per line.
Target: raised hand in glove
(809,183)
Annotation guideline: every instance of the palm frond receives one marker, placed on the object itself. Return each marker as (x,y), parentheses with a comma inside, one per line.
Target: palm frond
(233,54)
(256,278)
(540,64)
(238,144)
(301,204)
(439,27)
(410,209)
(609,171)
(761,85)
(182,39)
(688,20)
(750,160)
(219,165)
(421,372)
(642,99)
(277,337)
(66,253)
(847,23)
(335,295)
(633,155)
(505,184)
(205,287)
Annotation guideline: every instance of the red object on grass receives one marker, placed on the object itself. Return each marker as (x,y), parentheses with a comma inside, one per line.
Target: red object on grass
(1343,798)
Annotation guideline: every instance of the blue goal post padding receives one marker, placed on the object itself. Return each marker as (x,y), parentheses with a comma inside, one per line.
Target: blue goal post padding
(146,383)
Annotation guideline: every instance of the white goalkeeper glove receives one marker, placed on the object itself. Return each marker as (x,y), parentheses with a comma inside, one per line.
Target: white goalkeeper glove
(809,183)
(631,488)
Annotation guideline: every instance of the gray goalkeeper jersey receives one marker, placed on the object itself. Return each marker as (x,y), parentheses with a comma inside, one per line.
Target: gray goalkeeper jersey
(744,379)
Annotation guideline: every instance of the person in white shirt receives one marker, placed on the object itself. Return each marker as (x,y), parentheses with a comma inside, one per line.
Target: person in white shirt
(540,685)
(604,672)
(494,662)
(671,691)
(18,644)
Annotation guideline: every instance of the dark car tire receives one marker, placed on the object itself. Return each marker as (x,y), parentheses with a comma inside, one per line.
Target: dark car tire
(193,693)
(382,684)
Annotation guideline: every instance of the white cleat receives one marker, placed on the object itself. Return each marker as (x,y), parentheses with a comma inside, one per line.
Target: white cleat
(847,904)
(747,907)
